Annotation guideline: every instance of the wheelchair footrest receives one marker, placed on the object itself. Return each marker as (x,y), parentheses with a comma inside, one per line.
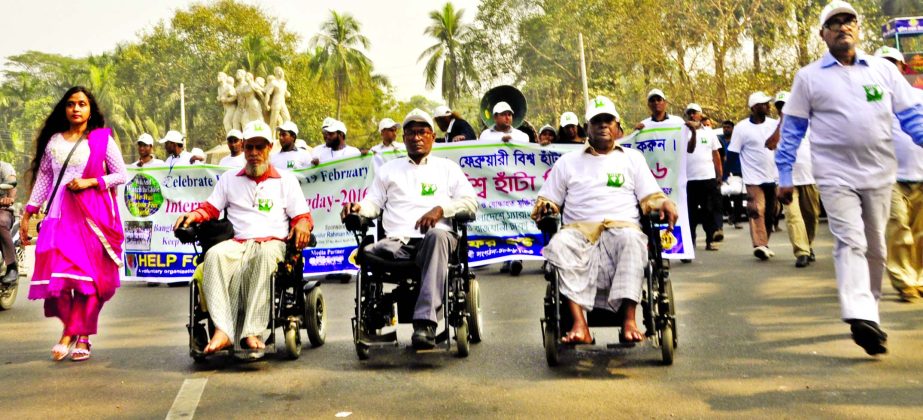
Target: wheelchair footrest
(386,339)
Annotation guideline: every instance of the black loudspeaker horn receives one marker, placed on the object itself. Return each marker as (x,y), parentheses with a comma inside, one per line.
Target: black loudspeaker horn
(503,93)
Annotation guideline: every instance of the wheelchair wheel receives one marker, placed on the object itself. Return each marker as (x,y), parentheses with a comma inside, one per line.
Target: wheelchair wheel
(667,343)
(475,318)
(8,296)
(315,317)
(461,338)
(362,351)
(668,294)
(293,339)
(552,356)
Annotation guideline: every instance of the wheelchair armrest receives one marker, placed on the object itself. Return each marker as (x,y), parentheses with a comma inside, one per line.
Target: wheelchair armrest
(549,224)
(464,216)
(187,234)
(356,223)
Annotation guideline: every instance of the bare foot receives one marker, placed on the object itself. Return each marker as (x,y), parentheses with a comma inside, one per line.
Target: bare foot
(219,341)
(631,333)
(254,343)
(578,336)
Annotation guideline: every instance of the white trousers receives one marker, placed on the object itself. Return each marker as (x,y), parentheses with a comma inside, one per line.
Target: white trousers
(857,220)
(235,282)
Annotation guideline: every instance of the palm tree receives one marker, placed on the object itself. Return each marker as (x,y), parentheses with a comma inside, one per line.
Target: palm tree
(450,52)
(337,55)
(258,56)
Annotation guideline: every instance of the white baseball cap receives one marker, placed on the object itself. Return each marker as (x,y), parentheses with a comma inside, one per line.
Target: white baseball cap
(327,122)
(501,107)
(782,96)
(257,129)
(197,152)
(546,127)
(301,144)
(289,126)
(834,8)
(418,115)
(442,111)
(889,52)
(146,139)
(656,92)
(387,123)
(234,133)
(569,118)
(173,136)
(334,125)
(601,105)
(758,98)
(693,107)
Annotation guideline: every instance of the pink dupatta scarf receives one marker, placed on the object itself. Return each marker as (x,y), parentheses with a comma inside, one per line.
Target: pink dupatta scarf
(86,241)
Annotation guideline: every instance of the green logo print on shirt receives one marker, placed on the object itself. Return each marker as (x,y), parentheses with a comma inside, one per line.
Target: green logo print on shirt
(427,189)
(615,180)
(264,204)
(873,93)
(290,164)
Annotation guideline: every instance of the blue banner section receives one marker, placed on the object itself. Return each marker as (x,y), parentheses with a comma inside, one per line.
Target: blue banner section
(159,264)
(486,249)
(329,260)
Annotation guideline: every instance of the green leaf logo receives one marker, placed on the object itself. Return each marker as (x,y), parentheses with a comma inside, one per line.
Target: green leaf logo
(265,204)
(598,103)
(615,180)
(873,93)
(427,189)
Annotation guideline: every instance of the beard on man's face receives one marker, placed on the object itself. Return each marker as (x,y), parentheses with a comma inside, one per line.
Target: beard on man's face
(256,170)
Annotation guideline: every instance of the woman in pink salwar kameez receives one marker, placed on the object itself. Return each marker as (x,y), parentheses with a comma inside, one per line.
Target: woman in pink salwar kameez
(79,249)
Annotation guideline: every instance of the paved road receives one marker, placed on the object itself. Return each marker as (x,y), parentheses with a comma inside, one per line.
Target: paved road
(757,339)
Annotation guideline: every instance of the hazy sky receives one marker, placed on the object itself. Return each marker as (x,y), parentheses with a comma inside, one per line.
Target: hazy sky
(81,27)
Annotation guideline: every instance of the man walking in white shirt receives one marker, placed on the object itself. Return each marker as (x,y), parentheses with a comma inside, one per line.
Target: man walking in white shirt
(759,171)
(703,172)
(146,158)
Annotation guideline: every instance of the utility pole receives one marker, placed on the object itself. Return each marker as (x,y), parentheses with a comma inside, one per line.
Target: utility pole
(182,107)
(586,91)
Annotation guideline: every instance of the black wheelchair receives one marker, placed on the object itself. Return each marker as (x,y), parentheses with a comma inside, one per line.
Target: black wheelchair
(657,307)
(387,290)
(295,303)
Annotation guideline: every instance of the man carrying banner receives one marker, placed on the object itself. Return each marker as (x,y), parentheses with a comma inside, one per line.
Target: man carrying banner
(854,161)
(236,145)
(759,172)
(453,125)
(416,196)
(146,156)
(599,188)
(703,172)
(289,157)
(387,128)
(266,207)
(174,143)
(334,143)
(503,126)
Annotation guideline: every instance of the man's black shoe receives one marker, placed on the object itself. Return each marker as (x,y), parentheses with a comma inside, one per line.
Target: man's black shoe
(869,336)
(812,257)
(515,268)
(424,335)
(12,273)
(802,261)
(719,235)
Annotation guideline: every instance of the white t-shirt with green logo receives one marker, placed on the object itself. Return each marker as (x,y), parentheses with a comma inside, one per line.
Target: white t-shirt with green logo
(596,188)
(291,160)
(699,163)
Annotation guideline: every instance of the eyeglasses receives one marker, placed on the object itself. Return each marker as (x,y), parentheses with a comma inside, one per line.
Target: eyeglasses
(422,132)
(260,146)
(837,24)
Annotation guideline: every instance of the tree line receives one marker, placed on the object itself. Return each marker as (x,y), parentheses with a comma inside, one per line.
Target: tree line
(712,52)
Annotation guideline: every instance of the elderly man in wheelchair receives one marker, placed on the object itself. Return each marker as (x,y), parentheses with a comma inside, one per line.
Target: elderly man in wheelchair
(416,197)
(601,253)
(266,208)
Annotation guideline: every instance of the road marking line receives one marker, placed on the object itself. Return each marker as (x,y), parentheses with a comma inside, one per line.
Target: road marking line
(187,399)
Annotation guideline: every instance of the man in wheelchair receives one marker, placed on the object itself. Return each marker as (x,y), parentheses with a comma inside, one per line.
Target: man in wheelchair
(601,252)
(416,196)
(266,208)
